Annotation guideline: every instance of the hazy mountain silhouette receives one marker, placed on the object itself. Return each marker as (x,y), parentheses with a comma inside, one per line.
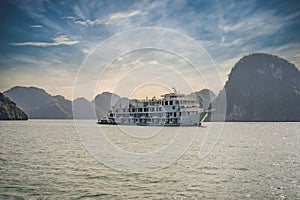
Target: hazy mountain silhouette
(84,109)
(106,100)
(57,108)
(205,97)
(9,110)
(28,98)
(262,87)
(38,104)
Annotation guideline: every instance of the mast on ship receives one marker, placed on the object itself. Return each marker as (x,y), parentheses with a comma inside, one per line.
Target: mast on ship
(174,89)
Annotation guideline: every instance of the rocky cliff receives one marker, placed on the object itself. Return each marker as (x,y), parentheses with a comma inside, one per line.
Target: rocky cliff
(9,110)
(262,87)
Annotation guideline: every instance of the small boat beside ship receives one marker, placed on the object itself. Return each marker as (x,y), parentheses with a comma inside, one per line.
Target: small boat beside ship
(172,109)
(106,121)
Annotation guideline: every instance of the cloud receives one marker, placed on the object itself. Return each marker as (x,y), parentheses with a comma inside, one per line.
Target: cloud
(297,56)
(60,40)
(252,26)
(85,50)
(88,22)
(111,19)
(36,26)
(296,60)
(121,15)
(83,22)
(68,17)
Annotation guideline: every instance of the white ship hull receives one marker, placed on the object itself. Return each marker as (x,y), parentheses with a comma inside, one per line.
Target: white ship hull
(189,120)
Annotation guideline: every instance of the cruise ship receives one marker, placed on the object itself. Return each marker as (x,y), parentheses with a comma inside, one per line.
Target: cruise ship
(172,109)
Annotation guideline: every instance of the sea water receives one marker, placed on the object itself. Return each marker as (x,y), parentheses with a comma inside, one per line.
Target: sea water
(47,159)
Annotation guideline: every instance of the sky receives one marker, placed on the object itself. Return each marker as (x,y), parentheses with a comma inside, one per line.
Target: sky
(43,43)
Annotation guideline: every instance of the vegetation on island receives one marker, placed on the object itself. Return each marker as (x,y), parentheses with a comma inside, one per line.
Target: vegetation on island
(9,110)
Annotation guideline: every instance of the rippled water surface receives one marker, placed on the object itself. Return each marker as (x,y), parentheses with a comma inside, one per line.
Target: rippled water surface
(46,159)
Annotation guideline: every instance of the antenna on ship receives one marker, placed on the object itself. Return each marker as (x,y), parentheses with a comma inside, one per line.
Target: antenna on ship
(174,89)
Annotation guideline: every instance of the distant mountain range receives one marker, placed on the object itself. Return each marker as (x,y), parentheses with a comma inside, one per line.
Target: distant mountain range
(262,87)
(9,110)
(38,104)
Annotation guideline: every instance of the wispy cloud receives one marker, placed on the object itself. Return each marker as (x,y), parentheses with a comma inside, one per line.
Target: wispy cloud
(121,15)
(251,26)
(88,22)
(111,19)
(85,50)
(36,26)
(296,60)
(68,17)
(60,40)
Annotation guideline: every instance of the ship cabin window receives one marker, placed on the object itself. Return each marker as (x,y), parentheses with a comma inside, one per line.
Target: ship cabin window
(173,107)
(133,109)
(140,109)
(174,114)
(177,102)
(166,103)
(146,109)
(171,103)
